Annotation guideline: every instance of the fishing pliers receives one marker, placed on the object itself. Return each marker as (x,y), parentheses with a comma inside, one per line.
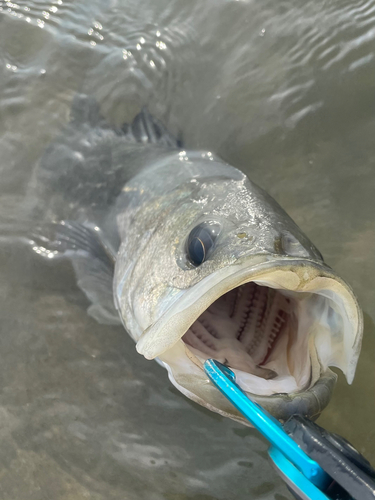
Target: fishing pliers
(314,463)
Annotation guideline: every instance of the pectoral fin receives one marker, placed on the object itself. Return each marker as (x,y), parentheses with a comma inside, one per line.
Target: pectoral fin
(92,258)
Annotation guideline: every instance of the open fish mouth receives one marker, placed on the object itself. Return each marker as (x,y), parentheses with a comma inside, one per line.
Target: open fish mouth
(249,328)
(279,325)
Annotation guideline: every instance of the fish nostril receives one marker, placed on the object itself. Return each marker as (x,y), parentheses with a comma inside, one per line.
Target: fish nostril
(290,245)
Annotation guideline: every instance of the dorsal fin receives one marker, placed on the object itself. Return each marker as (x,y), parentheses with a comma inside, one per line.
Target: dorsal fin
(149,130)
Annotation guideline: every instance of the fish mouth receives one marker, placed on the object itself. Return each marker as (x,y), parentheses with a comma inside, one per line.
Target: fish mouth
(278,325)
(254,330)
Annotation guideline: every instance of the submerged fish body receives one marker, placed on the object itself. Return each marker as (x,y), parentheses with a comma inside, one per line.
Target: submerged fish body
(204,264)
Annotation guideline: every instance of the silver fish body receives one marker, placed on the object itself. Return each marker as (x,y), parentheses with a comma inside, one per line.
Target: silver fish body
(160,294)
(256,295)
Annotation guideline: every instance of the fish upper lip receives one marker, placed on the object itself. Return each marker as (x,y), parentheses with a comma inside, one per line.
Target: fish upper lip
(179,317)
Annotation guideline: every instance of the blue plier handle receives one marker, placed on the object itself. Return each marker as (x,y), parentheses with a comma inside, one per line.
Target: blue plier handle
(341,474)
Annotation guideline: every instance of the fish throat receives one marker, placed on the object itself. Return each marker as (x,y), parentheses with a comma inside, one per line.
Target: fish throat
(247,327)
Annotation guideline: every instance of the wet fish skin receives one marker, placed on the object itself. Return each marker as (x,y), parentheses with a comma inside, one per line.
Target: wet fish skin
(140,194)
(159,208)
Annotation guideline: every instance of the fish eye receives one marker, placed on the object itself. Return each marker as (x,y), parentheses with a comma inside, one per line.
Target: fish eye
(201,242)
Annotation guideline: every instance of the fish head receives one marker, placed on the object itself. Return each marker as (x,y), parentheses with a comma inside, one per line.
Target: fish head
(210,266)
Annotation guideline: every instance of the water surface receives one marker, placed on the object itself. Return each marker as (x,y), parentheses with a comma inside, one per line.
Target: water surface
(283,90)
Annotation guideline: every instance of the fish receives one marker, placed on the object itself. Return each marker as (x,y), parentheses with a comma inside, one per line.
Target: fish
(195,261)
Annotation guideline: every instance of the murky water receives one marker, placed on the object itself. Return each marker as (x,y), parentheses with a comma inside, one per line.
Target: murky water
(284,90)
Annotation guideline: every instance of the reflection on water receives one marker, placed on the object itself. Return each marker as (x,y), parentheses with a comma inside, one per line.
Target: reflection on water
(283,90)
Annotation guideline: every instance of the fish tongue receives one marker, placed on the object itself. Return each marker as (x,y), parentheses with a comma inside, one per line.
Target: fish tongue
(265,373)
(255,370)
(236,357)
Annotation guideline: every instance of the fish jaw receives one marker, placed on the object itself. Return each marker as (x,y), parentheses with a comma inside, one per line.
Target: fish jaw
(325,308)
(190,380)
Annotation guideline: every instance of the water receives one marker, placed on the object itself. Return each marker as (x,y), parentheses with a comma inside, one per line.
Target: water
(282,89)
